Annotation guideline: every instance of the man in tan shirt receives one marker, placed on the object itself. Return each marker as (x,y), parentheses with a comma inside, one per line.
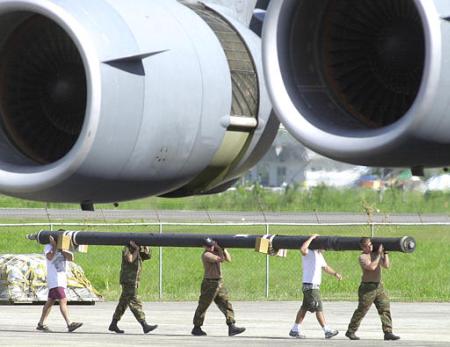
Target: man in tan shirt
(371,290)
(212,289)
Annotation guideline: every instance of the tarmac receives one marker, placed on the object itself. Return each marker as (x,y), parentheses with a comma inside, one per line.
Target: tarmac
(174,216)
(267,323)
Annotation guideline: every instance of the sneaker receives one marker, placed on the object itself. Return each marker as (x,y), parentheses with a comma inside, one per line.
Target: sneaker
(43,327)
(391,336)
(351,336)
(330,333)
(73,326)
(197,331)
(296,334)
(234,330)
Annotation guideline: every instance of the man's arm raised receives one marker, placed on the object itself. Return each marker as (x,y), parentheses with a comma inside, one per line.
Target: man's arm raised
(304,249)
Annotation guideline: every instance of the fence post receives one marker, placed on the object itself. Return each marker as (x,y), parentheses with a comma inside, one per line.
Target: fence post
(160,265)
(267,266)
(372,230)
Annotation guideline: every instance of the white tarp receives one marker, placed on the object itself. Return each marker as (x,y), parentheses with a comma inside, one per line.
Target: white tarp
(23,279)
(345,178)
(441,182)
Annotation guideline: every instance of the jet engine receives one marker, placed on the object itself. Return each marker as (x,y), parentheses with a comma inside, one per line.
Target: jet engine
(112,100)
(362,81)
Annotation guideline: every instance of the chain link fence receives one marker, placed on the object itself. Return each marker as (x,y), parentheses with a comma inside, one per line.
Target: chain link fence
(176,273)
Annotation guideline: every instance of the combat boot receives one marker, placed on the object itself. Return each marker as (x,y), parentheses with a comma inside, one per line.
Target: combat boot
(197,331)
(391,336)
(113,327)
(351,335)
(147,328)
(234,330)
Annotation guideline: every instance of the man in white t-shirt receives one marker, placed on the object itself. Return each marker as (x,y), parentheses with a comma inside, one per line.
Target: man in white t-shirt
(313,263)
(57,285)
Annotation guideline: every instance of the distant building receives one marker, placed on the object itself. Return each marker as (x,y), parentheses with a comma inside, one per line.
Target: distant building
(288,161)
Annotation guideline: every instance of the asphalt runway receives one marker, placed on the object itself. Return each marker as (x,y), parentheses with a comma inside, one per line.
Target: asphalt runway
(267,323)
(174,216)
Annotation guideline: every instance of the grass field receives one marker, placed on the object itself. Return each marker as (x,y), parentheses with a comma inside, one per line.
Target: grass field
(419,276)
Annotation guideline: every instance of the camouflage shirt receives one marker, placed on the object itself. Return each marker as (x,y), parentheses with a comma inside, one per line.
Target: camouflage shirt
(130,273)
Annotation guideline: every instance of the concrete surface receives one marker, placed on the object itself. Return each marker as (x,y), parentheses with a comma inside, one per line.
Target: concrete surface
(267,323)
(154,216)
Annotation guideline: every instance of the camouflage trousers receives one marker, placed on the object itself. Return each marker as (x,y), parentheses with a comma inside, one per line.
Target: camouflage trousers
(129,298)
(368,293)
(213,290)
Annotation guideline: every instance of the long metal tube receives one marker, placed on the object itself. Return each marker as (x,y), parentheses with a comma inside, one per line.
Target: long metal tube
(404,244)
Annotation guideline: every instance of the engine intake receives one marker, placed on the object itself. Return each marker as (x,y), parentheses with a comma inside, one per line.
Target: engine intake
(362,81)
(371,56)
(42,90)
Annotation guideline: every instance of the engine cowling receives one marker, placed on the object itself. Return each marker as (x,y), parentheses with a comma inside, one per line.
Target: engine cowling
(362,81)
(112,100)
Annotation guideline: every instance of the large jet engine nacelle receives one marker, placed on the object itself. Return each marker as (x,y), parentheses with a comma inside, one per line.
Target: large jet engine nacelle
(111,100)
(362,81)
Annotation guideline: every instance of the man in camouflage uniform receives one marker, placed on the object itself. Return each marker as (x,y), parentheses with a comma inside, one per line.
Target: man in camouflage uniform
(212,289)
(371,290)
(132,257)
